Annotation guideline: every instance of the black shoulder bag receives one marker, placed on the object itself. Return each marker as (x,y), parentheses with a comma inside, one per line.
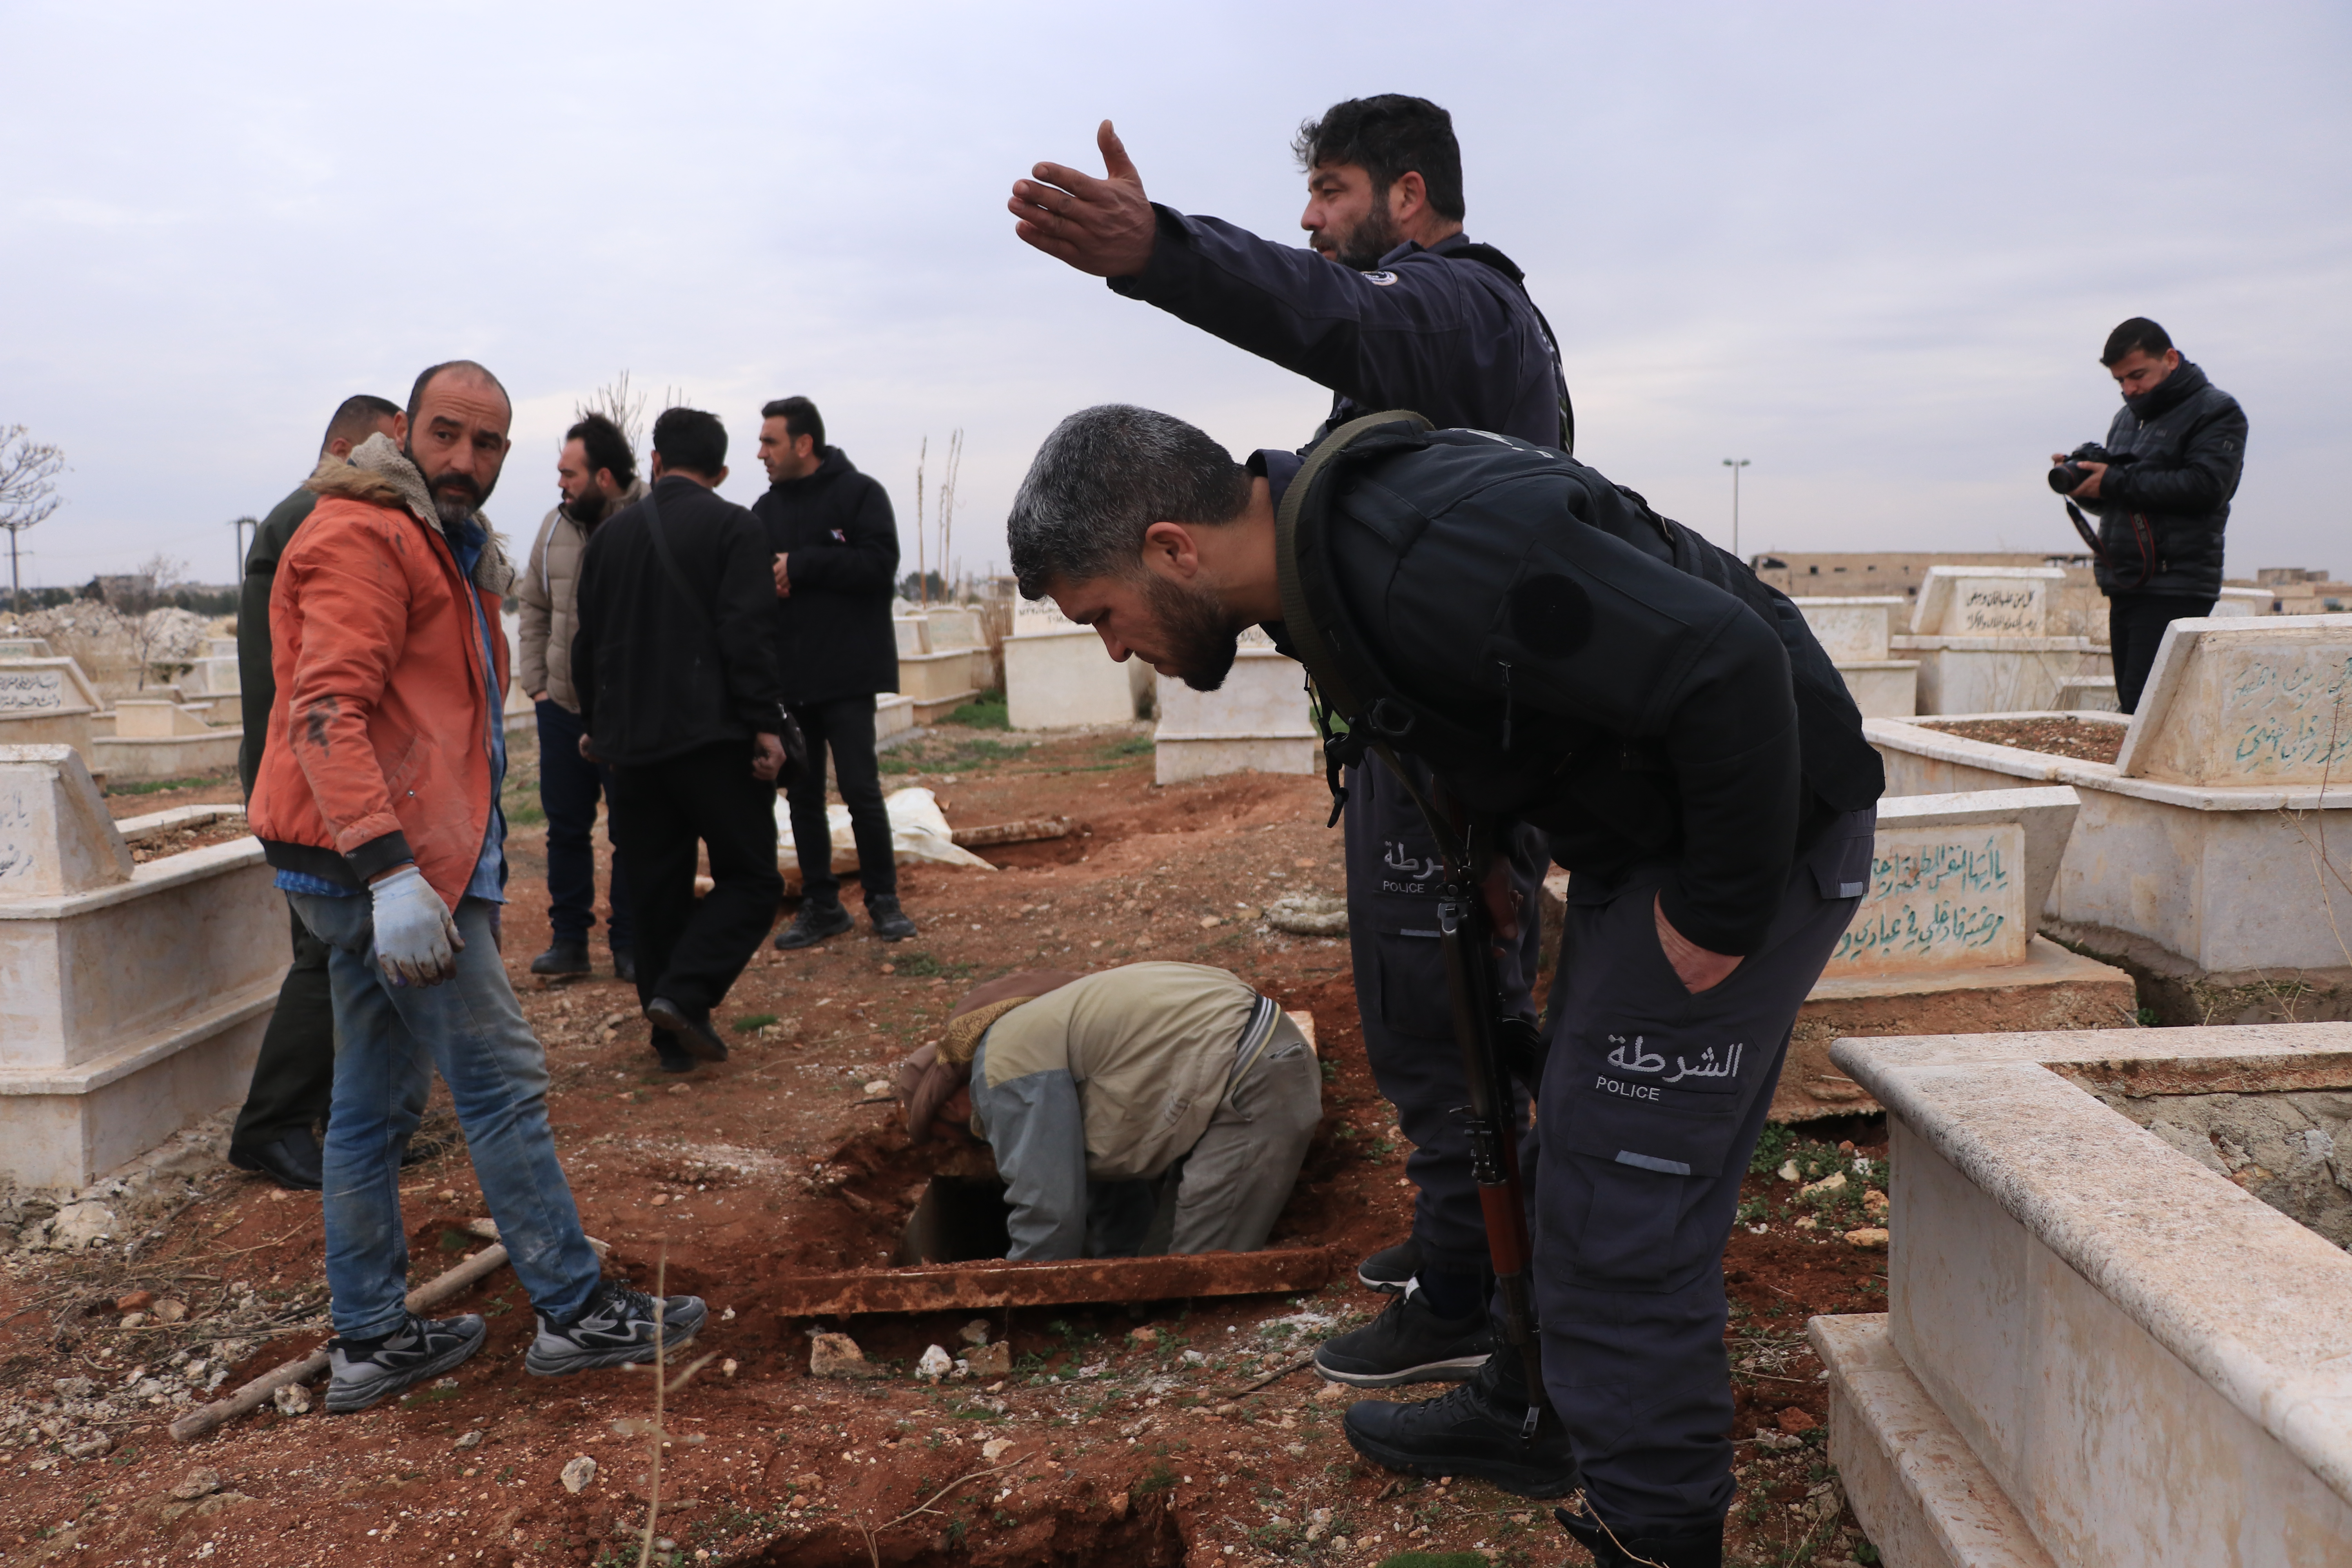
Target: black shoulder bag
(788,729)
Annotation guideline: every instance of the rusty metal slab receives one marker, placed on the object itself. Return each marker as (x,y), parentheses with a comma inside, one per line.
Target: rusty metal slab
(996,1283)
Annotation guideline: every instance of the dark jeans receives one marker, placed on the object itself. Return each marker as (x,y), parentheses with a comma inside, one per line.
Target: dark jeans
(845,727)
(1653,1099)
(567,786)
(2136,624)
(1407,1010)
(294,1076)
(691,950)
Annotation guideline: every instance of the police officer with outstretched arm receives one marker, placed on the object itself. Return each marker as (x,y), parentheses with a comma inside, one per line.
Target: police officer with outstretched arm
(1391,305)
(1557,655)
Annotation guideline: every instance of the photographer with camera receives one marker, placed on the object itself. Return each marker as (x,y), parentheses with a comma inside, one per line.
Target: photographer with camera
(2160,487)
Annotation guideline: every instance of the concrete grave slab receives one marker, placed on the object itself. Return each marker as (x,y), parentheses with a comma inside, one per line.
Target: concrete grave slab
(1986,601)
(1857,628)
(2146,1363)
(1258,721)
(2237,702)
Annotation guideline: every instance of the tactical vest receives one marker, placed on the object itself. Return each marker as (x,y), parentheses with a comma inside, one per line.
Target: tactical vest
(1375,710)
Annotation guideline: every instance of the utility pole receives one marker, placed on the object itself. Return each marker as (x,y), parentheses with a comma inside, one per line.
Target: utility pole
(241,524)
(1735,465)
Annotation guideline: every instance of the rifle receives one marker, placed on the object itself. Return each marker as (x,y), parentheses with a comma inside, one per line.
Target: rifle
(1465,849)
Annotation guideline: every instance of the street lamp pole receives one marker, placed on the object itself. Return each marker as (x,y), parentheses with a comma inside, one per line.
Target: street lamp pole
(1735,465)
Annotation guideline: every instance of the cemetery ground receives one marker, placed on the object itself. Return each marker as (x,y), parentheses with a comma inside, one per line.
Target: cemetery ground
(1139,1433)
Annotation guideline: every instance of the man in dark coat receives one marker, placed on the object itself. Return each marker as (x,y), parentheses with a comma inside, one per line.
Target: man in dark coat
(677,691)
(1559,655)
(1390,305)
(294,1076)
(2163,506)
(836,556)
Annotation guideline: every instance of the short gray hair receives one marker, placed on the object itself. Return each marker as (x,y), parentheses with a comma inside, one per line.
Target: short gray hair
(1104,475)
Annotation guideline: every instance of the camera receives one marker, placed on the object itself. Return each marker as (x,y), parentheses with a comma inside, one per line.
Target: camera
(2067,476)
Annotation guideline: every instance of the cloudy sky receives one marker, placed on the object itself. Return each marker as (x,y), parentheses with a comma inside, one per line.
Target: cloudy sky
(1874,248)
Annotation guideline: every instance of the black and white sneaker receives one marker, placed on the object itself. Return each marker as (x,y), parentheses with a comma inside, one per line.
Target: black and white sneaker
(420,1348)
(1406,1343)
(614,1329)
(1392,1269)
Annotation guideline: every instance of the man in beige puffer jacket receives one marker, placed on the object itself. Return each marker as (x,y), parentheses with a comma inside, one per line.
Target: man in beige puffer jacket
(598,476)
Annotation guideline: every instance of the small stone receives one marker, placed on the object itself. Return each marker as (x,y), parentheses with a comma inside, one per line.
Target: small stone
(133,1319)
(1869,1238)
(196,1484)
(1194,1358)
(974,1333)
(1809,1223)
(1823,1190)
(727,1367)
(470,1440)
(292,1399)
(660,1198)
(681,1089)
(935,1364)
(1208,920)
(577,1474)
(1794,1421)
(1147,1338)
(837,1355)
(990,1361)
(75,1387)
(1334,1393)
(137,1301)
(77,1225)
(168,1311)
(1874,1204)
(1789,1172)
(91,1447)
(876,1087)
(993,1450)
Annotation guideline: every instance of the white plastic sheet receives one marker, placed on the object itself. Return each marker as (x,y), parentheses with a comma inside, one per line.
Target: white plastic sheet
(918,831)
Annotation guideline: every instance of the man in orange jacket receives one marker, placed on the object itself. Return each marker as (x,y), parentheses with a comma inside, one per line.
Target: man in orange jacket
(377,802)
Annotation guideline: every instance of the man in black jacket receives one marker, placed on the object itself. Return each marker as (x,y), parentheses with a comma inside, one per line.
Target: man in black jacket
(2180,446)
(836,556)
(1390,306)
(677,692)
(294,1076)
(1560,655)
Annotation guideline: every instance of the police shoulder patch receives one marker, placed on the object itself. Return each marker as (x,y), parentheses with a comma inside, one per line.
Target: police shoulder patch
(1382,278)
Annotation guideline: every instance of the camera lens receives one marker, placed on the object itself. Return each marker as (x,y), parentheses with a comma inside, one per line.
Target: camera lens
(2064,477)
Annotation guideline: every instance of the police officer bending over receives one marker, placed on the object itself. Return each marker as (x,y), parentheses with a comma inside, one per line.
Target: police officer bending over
(1412,315)
(1560,656)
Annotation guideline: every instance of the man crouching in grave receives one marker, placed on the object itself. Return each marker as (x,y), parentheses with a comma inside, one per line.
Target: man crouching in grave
(1561,656)
(378,804)
(1099,1093)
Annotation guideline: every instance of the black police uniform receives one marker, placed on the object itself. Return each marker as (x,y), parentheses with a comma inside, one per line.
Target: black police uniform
(1685,745)
(1448,332)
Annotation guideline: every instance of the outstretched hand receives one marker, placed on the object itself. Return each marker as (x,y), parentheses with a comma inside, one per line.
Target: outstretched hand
(1104,228)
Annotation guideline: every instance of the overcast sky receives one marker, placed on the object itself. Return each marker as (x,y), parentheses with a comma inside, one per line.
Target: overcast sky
(1874,248)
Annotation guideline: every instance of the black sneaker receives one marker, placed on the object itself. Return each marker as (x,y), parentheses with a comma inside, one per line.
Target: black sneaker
(615,1328)
(692,1034)
(624,966)
(419,1349)
(672,1058)
(1406,1343)
(1473,1431)
(812,925)
(1700,1548)
(1392,1269)
(292,1161)
(890,922)
(562,960)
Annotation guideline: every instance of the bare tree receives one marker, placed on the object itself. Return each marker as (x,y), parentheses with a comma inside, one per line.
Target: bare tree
(947,500)
(149,592)
(617,403)
(29,476)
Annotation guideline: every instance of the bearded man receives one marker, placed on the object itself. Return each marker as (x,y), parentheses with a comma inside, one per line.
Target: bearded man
(377,803)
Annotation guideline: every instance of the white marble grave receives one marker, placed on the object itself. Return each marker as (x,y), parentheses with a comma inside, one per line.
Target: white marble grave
(2097,1352)
(1056,673)
(1258,720)
(156,738)
(2213,854)
(940,679)
(46,700)
(1988,640)
(1857,634)
(132,998)
(213,673)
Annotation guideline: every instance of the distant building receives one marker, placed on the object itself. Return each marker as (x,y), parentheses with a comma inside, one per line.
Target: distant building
(2300,590)
(1883,572)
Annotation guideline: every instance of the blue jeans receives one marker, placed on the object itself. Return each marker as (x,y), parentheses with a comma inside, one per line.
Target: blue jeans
(569,785)
(388,1041)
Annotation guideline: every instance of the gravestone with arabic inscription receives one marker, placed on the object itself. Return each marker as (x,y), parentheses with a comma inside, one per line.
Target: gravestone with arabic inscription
(2246,701)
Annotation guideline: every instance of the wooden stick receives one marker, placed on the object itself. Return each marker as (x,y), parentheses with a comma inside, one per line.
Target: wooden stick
(262,1389)
(1276,1375)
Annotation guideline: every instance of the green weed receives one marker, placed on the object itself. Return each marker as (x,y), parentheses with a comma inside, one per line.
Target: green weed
(750,1021)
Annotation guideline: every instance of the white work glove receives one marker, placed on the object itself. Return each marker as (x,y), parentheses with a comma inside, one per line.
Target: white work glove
(417,940)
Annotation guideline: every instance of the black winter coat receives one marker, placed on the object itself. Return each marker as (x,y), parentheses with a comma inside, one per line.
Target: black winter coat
(832,636)
(1453,338)
(661,669)
(257,683)
(1668,711)
(2189,440)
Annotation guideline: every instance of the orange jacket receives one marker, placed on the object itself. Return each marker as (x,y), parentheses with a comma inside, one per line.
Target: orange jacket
(379,739)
